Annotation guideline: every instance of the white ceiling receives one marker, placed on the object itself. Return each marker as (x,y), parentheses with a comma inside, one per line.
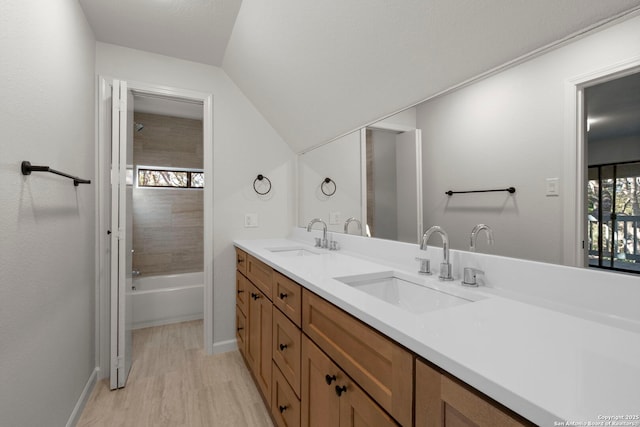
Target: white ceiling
(318,69)
(195,30)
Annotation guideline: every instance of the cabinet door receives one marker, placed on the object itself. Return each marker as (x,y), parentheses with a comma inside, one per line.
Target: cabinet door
(320,402)
(444,401)
(258,351)
(358,410)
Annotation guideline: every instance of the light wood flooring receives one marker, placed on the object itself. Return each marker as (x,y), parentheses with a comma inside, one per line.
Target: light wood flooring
(174,383)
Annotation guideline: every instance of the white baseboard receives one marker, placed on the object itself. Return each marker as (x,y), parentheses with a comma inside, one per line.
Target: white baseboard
(82,400)
(224,346)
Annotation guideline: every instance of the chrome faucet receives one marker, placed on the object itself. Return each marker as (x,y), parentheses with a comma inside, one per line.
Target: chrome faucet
(470,274)
(474,235)
(324,243)
(445,266)
(349,221)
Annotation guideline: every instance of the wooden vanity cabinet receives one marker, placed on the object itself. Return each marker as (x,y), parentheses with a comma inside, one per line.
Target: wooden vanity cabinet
(331,398)
(318,366)
(380,366)
(445,401)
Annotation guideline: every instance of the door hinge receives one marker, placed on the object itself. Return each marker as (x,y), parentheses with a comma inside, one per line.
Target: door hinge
(118,362)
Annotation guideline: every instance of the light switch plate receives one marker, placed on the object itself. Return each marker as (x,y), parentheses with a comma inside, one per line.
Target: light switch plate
(553,185)
(250,220)
(334,218)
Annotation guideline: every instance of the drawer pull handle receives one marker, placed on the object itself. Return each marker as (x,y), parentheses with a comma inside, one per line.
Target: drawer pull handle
(283,347)
(282,296)
(282,408)
(240,291)
(340,390)
(240,329)
(254,296)
(329,378)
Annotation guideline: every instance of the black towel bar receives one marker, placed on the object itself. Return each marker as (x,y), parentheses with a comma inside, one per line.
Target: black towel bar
(27,168)
(510,190)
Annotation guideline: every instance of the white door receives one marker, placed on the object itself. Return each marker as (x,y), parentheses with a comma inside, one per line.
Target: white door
(409,185)
(122,236)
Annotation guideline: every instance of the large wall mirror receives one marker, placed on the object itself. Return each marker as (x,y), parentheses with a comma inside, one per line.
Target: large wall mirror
(510,129)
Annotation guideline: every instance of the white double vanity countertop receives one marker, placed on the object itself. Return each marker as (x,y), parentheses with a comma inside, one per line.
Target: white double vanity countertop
(547,365)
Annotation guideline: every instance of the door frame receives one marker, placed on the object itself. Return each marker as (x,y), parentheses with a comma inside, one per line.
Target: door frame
(574,218)
(103,208)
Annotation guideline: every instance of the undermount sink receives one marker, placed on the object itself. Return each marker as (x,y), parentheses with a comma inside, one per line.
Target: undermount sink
(293,251)
(400,291)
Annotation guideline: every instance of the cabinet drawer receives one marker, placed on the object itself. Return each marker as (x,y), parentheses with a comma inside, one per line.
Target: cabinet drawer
(242,292)
(286,349)
(260,274)
(241,330)
(241,261)
(285,405)
(382,368)
(287,296)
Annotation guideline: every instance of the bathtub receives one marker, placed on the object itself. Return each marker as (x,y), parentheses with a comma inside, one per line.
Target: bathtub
(159,300)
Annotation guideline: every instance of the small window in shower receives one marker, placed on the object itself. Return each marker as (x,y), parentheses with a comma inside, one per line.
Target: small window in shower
(163,177)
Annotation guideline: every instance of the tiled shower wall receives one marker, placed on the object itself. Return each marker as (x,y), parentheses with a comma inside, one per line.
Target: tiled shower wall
(167,223)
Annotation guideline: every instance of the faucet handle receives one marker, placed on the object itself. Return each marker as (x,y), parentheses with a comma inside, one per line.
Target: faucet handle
(469,276)
(318,242)
(445,271)
(425,266)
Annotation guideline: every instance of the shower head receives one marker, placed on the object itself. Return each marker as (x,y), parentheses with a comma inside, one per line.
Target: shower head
(138,126)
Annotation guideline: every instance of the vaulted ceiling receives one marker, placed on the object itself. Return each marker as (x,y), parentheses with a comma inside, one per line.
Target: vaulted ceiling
(318,69)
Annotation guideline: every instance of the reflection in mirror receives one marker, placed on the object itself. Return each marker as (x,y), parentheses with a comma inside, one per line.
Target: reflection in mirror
(393,190)
(377,172)
(340,161)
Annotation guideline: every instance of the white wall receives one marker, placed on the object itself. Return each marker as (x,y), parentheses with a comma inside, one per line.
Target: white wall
(340,161)
(509,130)
(47,227)
(244,145)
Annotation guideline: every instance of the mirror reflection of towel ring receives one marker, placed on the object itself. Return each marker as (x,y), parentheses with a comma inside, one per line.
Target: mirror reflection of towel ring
(260,178)
(327,182)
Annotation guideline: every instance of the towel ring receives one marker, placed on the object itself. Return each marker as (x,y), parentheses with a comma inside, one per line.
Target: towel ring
(328,181)
(261,177)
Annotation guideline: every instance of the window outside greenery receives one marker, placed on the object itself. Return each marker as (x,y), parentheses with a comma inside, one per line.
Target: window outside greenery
(170,177)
